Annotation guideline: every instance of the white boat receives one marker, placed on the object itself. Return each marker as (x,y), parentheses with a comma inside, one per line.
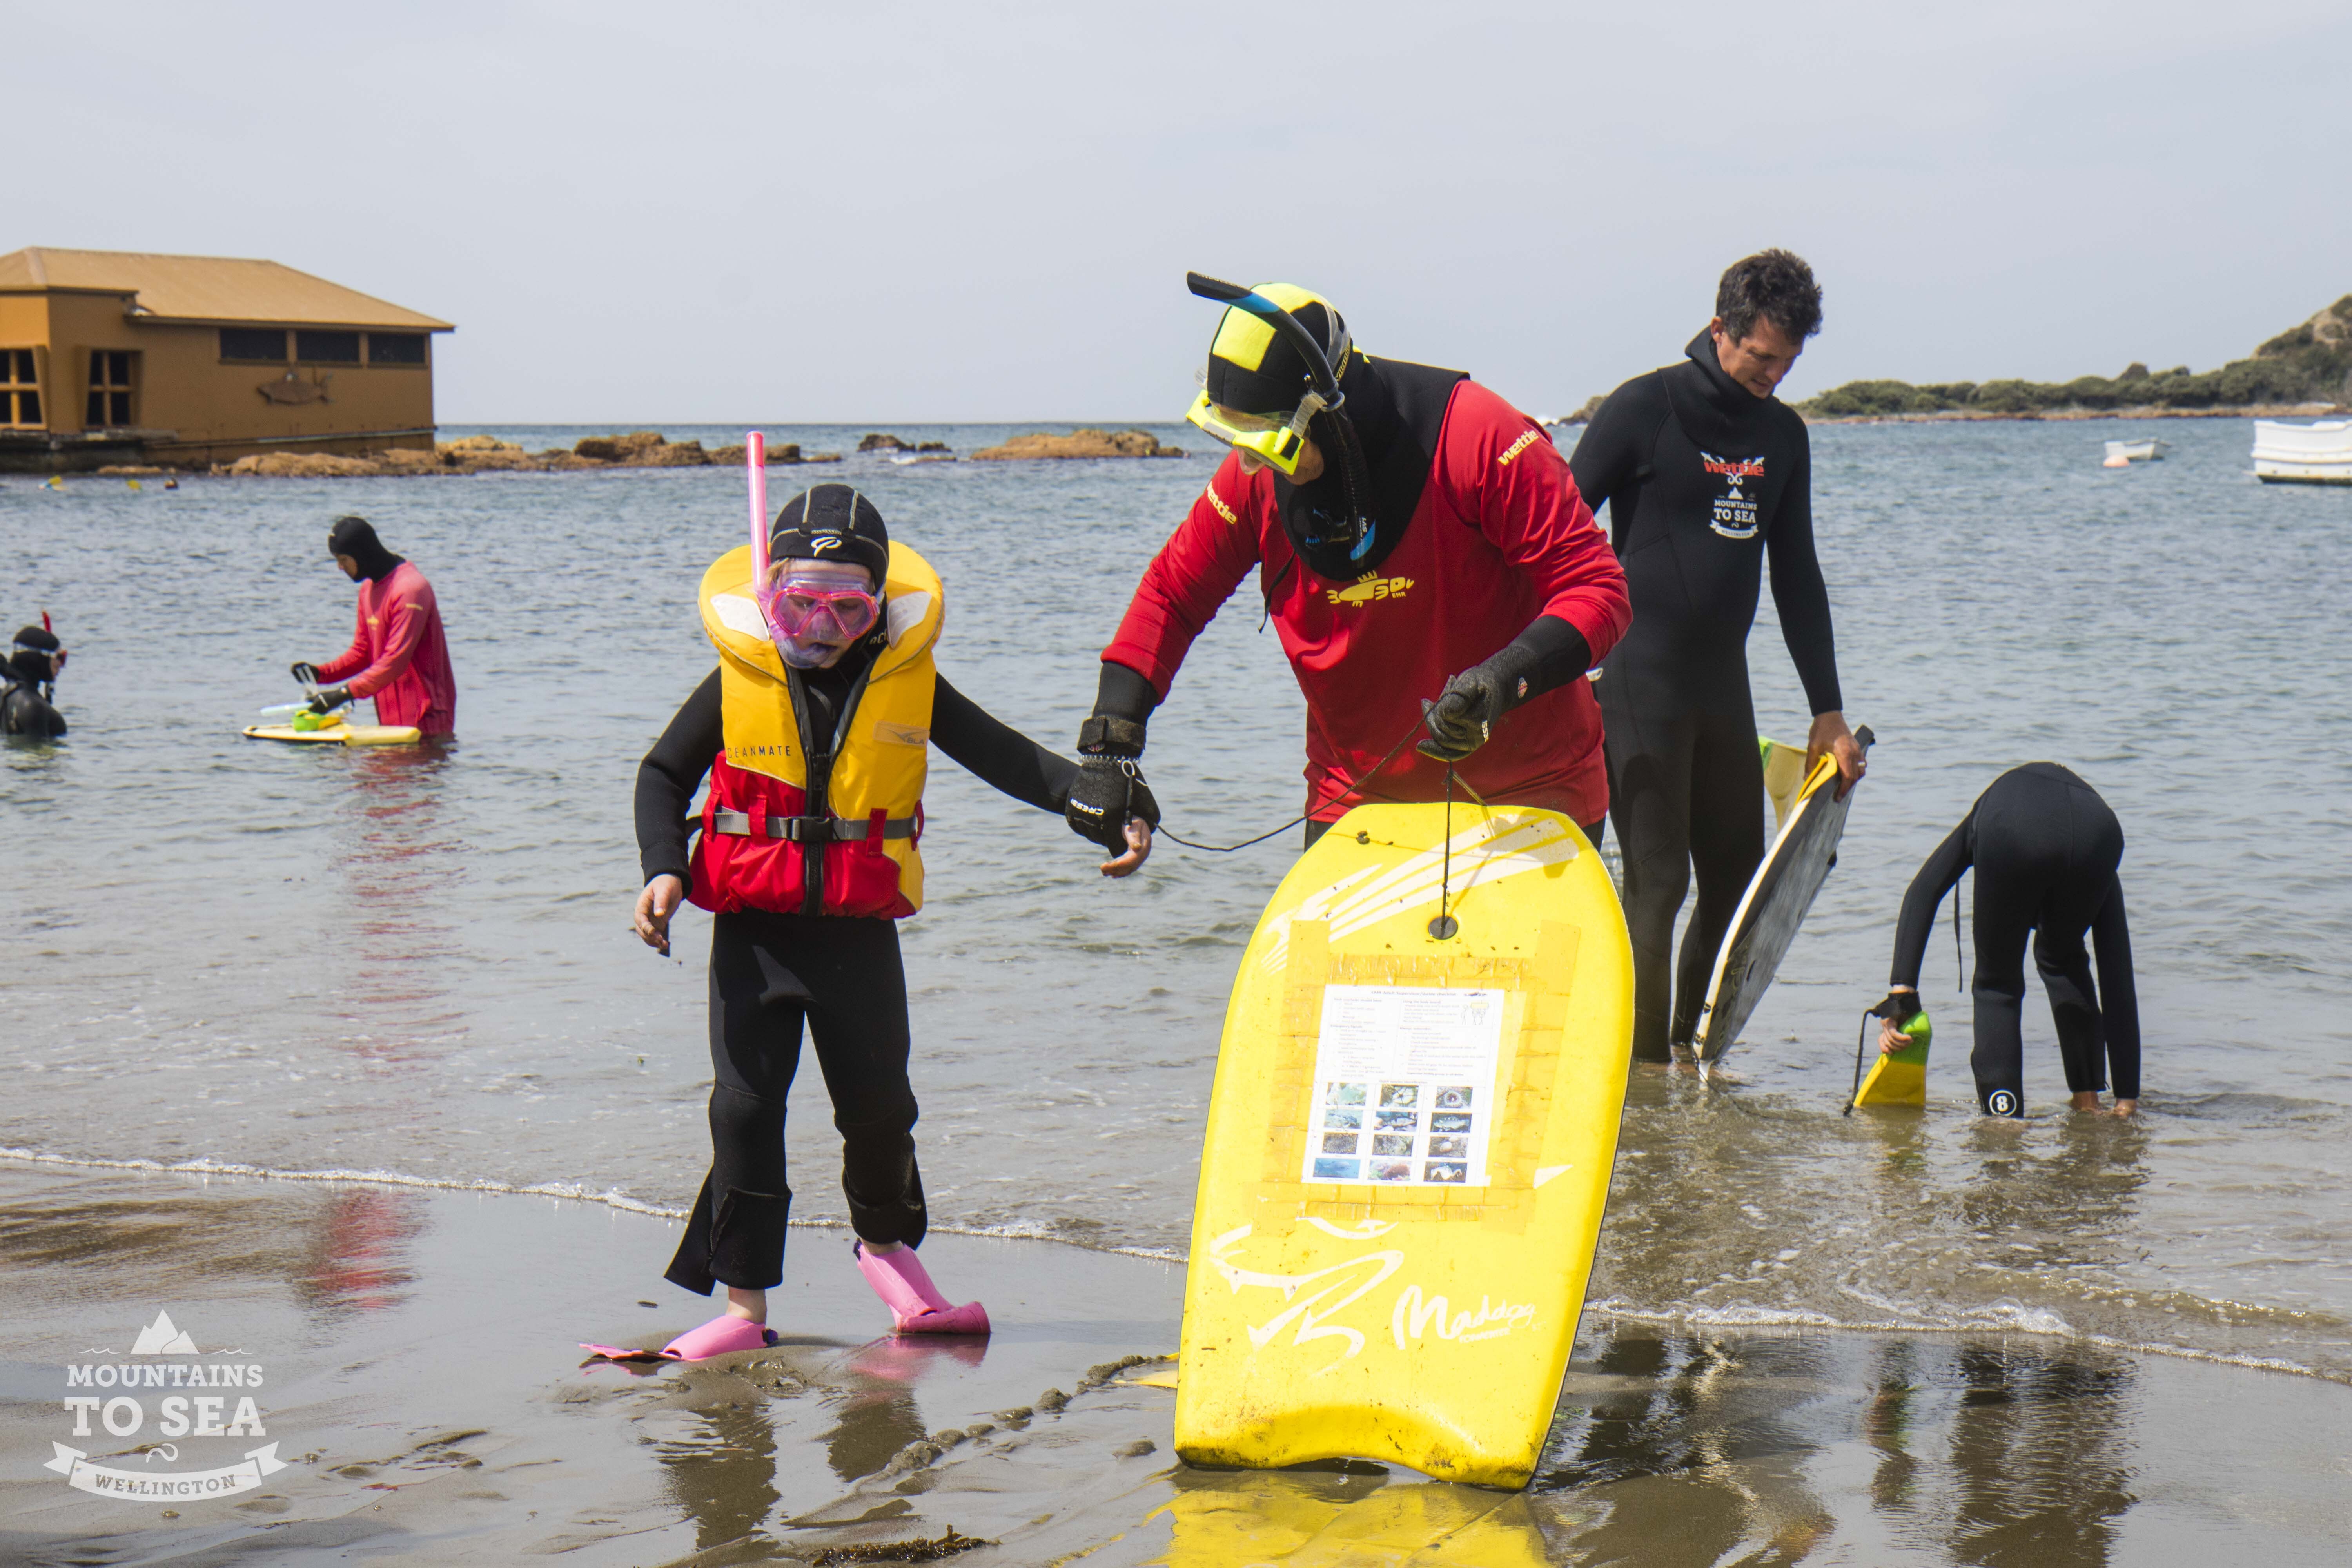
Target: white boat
(2318,454)
(2148,451)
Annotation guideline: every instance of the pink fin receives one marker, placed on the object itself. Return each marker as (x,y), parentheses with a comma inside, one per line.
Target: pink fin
(971,1318)
(721,1336)
(916,1305)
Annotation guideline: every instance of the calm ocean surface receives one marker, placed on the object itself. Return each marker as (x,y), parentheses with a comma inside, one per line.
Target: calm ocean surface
(309,960)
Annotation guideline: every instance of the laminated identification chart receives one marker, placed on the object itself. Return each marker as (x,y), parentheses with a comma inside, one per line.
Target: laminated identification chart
(1404,1085)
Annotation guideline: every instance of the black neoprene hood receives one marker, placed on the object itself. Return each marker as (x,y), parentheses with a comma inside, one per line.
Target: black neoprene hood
(1281,380)
(833,522)
(355,537)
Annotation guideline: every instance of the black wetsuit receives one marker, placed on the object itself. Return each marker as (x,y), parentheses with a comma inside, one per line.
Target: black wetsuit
(841,976)
(1704,480)
(24,706)
(2045,849)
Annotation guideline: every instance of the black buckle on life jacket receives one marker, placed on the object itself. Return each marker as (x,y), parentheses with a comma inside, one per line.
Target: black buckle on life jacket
(808,829)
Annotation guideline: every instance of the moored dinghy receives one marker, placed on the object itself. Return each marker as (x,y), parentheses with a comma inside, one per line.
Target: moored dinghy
(2317,454)
(2123,454)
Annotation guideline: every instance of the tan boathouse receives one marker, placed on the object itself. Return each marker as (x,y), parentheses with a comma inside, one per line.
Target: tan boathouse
(116,357)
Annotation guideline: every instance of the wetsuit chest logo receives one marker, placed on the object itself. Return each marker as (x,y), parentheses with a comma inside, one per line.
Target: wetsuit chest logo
(1735,510)
(1370,591)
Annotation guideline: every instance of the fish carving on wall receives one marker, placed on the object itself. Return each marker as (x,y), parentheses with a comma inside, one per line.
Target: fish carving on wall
(291,390)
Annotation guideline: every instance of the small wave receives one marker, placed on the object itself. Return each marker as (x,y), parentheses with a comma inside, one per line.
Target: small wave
(2001,1318)
(568,1190)
(206,1167)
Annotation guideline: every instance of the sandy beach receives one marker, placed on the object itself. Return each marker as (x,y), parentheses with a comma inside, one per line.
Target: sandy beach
(427,1404)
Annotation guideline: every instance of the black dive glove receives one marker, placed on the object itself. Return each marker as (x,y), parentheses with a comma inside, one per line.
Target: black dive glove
(1463,717)
(1898,1007)
(1109,787)
(327,701)
(306,672)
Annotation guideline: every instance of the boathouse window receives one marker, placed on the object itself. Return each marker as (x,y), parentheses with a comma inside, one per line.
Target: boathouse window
(327,348)
(111,378)
(257,346)
(20,389)
(395,348)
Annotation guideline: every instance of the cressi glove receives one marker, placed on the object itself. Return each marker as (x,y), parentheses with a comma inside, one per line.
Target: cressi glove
(1464,717)
(327,701)
(306,672)
(1106,792)
(1109,787)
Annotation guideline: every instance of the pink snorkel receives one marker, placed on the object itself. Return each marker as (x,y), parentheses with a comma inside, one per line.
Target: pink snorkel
(755,460)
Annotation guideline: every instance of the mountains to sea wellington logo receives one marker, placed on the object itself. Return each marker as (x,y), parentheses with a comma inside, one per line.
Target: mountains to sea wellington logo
(173,1361)
(1735,510)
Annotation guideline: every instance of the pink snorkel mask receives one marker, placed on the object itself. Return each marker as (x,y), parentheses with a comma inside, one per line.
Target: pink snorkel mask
(814,609)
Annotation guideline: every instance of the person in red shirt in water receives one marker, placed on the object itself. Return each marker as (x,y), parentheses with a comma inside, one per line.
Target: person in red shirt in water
(1416,538)
(398,655)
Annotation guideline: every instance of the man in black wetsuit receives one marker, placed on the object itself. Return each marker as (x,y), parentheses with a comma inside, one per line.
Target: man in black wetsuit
(2045,849)
(1706,474)
(29,685)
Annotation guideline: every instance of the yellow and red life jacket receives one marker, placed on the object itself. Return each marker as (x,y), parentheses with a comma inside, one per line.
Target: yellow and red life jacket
(863,811)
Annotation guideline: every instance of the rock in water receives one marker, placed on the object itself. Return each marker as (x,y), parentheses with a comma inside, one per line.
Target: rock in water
(303,465)
(1083,443)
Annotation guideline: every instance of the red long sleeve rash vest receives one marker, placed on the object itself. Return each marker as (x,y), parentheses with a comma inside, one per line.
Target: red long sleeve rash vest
(399,655)
(1500,537)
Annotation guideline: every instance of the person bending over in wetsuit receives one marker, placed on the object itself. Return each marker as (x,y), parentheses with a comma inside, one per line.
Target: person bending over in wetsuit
(1415,538)
(814,730)
(399,653)
(2046,848)
(29,685)
(1707,474)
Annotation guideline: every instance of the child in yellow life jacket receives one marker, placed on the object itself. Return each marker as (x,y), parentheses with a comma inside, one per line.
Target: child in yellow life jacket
(815,731)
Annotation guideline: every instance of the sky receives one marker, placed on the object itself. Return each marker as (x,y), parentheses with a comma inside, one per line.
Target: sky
(913,212)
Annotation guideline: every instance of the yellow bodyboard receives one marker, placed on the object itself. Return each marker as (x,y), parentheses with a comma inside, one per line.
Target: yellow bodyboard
(337,735)
(1409,1149)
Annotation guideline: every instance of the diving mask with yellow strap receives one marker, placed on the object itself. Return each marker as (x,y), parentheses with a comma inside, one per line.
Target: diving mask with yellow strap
(1278,439)
(1272,438)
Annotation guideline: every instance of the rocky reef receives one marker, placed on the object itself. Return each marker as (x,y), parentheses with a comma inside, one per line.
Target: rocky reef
(1083,443)
(2306,369)
(488,455)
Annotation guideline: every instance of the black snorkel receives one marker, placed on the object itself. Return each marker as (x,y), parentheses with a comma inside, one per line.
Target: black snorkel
(1354,533)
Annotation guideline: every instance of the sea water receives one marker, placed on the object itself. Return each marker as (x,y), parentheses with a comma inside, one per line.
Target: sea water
(418,963)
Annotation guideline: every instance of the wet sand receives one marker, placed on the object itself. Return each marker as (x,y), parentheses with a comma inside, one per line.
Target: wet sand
(422,1390)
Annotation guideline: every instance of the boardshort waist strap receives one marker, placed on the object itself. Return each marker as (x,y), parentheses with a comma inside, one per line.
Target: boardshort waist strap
(808,829)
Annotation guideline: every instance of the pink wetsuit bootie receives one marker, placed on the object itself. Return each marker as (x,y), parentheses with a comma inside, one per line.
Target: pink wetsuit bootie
(916,1305)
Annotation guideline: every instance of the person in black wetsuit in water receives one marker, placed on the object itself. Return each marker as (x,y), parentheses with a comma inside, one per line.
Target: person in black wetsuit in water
(2045,849)
(29,685)
(1706,474)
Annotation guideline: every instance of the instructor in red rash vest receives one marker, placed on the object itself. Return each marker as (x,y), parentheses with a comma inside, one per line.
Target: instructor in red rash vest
(1417,538)
(398,655)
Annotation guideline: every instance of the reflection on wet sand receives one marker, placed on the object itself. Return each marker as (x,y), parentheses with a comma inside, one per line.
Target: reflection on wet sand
(721,1475)
(1223,1520)
(1697,1446)
(720,1463)
(2039,1456)
(359,1252)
